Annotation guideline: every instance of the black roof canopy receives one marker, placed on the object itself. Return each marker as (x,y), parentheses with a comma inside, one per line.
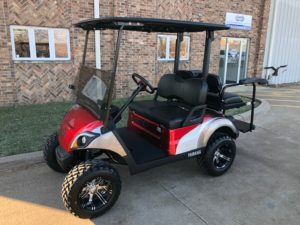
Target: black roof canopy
(148,25)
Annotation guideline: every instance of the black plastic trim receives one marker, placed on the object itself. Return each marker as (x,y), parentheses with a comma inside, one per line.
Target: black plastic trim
(148,25)
(135,168)
(64,159)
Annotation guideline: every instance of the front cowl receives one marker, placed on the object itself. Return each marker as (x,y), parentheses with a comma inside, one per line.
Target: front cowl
(77,120)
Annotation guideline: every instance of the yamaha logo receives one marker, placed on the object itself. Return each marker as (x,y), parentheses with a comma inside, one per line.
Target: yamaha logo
(191,154)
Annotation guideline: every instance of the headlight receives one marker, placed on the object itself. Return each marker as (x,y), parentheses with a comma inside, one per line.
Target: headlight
(82,140)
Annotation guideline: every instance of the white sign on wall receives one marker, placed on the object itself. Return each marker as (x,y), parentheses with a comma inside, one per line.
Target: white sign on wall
(238,21)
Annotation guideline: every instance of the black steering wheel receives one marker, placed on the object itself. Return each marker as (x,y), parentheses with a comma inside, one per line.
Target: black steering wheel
(141,81)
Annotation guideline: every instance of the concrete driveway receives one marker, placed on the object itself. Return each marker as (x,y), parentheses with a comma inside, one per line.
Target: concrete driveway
(263,186)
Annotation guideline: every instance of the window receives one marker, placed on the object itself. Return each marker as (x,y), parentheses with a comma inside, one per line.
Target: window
(166,48)
(38,43)
(41,43)
(21,43)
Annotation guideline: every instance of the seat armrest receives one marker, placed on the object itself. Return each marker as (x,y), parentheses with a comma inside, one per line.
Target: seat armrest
(244,82)
(188,120)
(253,80)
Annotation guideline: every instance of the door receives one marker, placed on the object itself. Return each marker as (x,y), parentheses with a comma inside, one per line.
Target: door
(233,59)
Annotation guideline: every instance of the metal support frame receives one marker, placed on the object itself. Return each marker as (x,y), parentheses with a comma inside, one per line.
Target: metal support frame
(247,81)
(113,76)
(252,106)
(177,51)
(129,100)
(85,46)
(208,41)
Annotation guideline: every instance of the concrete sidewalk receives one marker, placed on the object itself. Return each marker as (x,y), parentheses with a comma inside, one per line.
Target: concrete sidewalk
(261,188)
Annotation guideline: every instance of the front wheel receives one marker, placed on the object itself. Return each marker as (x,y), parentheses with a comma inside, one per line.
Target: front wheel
(91,188)
(220,154)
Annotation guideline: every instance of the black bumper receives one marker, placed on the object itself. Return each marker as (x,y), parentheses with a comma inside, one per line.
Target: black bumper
(64,159)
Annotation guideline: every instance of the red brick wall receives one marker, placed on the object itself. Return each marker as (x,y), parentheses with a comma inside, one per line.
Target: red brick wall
(138,53)
(7,89)
(33,82)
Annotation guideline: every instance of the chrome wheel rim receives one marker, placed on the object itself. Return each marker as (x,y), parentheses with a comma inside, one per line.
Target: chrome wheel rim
(222,157)
(95,194)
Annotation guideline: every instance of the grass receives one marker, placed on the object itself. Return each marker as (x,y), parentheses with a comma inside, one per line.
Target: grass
(25,128)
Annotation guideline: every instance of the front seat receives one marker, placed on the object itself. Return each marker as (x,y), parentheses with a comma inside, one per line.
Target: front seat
(181,96)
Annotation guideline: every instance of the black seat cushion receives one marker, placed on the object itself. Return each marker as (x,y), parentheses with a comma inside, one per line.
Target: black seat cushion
(182,95)
(232,101)
(214,100)
(231,98)
(171,114)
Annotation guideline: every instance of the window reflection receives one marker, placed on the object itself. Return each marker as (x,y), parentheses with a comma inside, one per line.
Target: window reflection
(172,47)
(60,41)
(41,43)
(184,49)
(162,45)
(167,46)
(21,40)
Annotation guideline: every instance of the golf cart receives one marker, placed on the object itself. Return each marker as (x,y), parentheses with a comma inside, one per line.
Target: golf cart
(185,118)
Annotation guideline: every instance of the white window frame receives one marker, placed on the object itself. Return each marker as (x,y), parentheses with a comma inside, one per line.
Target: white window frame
(168,41)
(32,44)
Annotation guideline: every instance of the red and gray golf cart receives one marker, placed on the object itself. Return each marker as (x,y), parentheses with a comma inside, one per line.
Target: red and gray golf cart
(185,118)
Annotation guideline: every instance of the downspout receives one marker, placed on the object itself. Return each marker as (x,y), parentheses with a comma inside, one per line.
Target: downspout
(97,35)
(259,33)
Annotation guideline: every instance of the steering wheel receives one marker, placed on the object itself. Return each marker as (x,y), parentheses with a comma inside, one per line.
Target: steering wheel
(139,80)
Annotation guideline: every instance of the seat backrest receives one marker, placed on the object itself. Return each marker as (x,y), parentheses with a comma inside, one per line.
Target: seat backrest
(188,74)
(192,91)
(214,83)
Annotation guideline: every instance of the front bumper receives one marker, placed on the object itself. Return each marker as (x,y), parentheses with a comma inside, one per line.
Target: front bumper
(64,159)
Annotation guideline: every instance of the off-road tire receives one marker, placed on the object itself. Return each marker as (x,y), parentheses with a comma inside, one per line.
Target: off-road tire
(50,154)
(78,176)
(218,139)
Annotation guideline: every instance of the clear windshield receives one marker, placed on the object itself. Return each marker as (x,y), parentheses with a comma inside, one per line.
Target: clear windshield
(92,88)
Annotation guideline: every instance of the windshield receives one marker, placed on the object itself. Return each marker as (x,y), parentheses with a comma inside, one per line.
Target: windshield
(92,88)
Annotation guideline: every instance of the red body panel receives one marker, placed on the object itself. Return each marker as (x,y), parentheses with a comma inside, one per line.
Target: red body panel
(76,121)
(164,138)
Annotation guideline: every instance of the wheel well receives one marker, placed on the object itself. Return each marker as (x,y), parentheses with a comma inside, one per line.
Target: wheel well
(115,157)
(227,130)
(81,155)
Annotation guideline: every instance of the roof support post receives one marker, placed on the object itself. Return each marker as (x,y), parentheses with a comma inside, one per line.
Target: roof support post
(85,46)
(208,41)
(177,51)
(97,35)
(113,76)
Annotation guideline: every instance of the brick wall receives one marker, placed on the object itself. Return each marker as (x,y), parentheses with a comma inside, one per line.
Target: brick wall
(33,82)
(7,89)
(42,81)
(138,53)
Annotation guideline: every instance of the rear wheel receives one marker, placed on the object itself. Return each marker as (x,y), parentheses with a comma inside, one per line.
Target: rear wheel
(220,154)
(91,188)
(50,154)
